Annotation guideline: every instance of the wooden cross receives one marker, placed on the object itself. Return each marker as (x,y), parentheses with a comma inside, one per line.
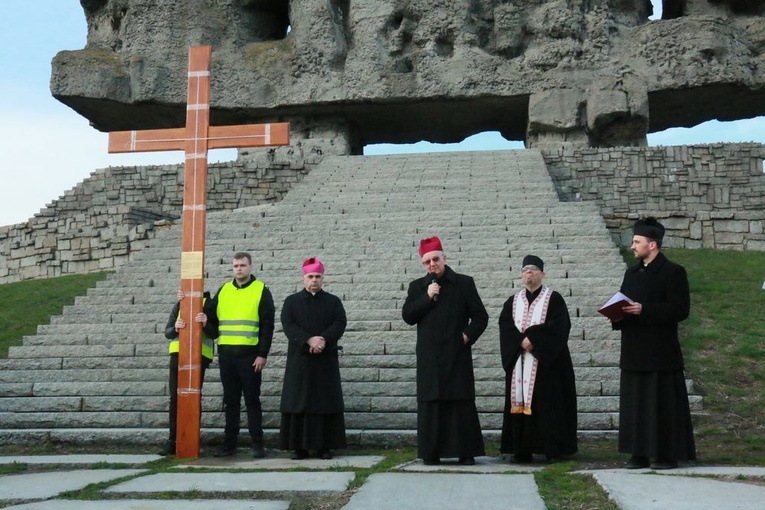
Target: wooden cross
(196,138)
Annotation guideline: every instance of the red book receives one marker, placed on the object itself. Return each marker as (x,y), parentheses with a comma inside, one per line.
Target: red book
(613,307)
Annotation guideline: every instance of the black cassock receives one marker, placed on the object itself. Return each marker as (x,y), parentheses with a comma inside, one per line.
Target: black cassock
(447,418)
(654,413)
(551,427)
(312,397)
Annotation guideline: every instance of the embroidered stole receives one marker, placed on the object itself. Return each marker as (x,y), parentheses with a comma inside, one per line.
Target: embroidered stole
(525,370)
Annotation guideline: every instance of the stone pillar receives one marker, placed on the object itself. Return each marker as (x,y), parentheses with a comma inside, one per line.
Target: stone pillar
(556,119)
(617,112)
(270,172)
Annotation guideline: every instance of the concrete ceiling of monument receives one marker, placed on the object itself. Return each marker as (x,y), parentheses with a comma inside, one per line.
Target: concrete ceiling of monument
(400,71)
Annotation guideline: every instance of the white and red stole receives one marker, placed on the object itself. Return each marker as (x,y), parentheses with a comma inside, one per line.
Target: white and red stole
(525,370)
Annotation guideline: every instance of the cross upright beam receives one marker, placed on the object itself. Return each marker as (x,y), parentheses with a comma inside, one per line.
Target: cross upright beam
(195,139)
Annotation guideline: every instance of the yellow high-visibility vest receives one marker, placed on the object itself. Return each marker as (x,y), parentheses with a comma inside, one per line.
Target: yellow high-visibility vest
(207,343)
(238,317)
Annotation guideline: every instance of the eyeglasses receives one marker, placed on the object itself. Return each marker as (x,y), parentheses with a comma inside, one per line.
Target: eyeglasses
(528,269)
(434,260)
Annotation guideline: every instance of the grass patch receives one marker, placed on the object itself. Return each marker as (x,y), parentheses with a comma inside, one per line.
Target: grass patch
(13,467)
(29,303)
(393,458)
(562,490)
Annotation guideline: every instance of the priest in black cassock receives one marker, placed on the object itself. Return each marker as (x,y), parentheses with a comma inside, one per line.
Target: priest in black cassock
(312,398)
(654,414)
(540,390)
(450,317)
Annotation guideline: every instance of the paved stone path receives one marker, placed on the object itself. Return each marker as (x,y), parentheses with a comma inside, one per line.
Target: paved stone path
(490,484)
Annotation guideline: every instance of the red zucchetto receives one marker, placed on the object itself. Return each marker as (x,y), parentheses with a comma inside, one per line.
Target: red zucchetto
(430,244)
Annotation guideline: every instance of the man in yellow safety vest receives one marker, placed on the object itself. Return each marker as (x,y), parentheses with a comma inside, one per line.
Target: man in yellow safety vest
(172,330)
(244,313)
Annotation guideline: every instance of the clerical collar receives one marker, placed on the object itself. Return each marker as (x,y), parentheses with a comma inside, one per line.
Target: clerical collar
(531,296)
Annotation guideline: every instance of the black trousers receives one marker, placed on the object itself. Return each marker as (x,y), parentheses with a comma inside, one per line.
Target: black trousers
(239,378)
(172,384)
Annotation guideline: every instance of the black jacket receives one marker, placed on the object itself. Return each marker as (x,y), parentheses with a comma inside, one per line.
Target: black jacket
(210,329)
(649,340)
(444,362)
(312,381)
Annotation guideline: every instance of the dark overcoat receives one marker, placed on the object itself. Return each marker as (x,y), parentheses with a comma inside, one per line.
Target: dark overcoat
(312,381)
(649,340)
(444,361)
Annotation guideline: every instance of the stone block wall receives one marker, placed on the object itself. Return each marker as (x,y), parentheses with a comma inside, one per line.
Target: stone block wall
(110,215)
(710,196)
(707,196)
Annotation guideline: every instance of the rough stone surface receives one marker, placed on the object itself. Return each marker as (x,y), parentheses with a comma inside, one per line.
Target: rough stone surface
(308,481)
(102,222)
(97,374)
(439,490)
(401,71)
(708,196)
(50,484)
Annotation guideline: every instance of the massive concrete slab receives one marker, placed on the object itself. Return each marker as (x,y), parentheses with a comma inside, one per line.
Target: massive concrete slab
(636,491)
(717,471)
(48,485)
(482,465)
(439,491)
(310,481)
(76,460)
(284,463)
(148,504)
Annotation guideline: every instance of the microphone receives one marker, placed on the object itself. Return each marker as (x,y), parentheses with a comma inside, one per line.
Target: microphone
(435,297)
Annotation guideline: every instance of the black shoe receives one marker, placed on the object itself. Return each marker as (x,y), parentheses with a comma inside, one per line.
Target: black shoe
(299,455)
(663,464)
(467,461)
(431,462)
(167,449)
(225,450)
(637,462)
(258,452)
(521,458)
(324,454)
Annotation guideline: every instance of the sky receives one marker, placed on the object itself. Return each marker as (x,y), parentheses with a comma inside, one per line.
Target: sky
(48,148)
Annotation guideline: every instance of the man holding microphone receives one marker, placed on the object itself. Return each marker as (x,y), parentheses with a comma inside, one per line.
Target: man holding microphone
(450,317)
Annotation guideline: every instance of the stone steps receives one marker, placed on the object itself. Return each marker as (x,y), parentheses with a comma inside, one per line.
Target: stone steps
(387,351)
(394,375)
(355,342)
(383,289)
(41,422)
(103,362)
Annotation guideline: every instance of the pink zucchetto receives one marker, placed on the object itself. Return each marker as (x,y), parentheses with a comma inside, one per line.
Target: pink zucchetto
(313,265)
(430,244)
